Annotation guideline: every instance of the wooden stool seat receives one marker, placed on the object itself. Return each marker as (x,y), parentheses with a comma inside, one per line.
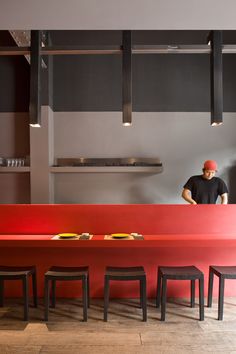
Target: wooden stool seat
(191,273)
(19,273)
(181,272)
(223,272)
(58,273)
(125,273)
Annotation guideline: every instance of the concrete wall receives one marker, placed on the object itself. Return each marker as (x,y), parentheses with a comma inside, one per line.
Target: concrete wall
(181,140)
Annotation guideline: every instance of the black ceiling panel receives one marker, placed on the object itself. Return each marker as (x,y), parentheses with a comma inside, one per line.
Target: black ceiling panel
(170,82)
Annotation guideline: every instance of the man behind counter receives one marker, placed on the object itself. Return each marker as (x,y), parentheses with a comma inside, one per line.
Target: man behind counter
(205,188)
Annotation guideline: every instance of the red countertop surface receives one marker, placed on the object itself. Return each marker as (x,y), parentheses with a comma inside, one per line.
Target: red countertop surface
(162,240)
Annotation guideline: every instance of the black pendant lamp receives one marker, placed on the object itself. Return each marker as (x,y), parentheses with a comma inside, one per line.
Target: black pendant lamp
(127,78)
(216,78)
(35,73)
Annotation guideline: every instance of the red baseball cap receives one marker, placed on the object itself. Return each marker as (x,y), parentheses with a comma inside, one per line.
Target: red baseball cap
(210,165)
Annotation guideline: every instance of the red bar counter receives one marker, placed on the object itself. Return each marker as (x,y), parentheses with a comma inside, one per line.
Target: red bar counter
(173,235)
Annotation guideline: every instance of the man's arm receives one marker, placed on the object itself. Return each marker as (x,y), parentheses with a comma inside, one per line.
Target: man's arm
(224,198)
(186,194)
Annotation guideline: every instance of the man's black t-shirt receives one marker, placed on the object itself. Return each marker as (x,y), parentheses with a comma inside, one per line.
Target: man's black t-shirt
(206,191)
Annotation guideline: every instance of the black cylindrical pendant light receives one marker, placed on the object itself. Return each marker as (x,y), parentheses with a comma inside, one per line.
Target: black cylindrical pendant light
(127,78)
(35,71)
(216,78)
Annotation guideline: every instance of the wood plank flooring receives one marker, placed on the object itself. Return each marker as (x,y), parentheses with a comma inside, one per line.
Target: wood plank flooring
(125,333)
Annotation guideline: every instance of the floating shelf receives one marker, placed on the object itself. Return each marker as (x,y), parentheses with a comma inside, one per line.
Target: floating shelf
(104,165)
(106,169)
(107,165)
(22,169)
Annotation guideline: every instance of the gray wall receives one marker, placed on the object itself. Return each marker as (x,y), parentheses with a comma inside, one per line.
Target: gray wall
(181,140)
(14,142)
(14,134)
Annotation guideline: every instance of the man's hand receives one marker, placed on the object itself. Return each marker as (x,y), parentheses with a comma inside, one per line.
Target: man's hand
(186,194)
(224,198)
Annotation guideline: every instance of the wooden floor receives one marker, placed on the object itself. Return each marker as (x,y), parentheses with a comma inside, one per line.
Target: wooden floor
(123,333)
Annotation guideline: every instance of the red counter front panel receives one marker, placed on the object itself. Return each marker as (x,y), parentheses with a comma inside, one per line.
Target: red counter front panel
(174,235)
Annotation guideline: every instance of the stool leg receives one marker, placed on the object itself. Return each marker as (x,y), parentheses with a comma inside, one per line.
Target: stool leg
(26,297)
(221,298)
(53,293)
(163,298)
(158,296)
(201,298)
(88,292)
(46,298)
(106,297)
(141,293)
(210,287)
(144,298)
(85,298)
(34,285)
(192,293)
(1,293)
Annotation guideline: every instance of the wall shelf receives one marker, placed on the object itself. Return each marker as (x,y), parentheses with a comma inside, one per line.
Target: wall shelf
(22,169)
(106,165)
(107,169)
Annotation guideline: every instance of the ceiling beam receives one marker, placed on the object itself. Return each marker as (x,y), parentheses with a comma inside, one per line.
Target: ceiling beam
(107,50)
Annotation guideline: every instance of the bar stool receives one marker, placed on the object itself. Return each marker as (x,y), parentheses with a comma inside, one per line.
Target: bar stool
(179,273)
(223,272)
(66,273)
(19,273)
(125,273)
